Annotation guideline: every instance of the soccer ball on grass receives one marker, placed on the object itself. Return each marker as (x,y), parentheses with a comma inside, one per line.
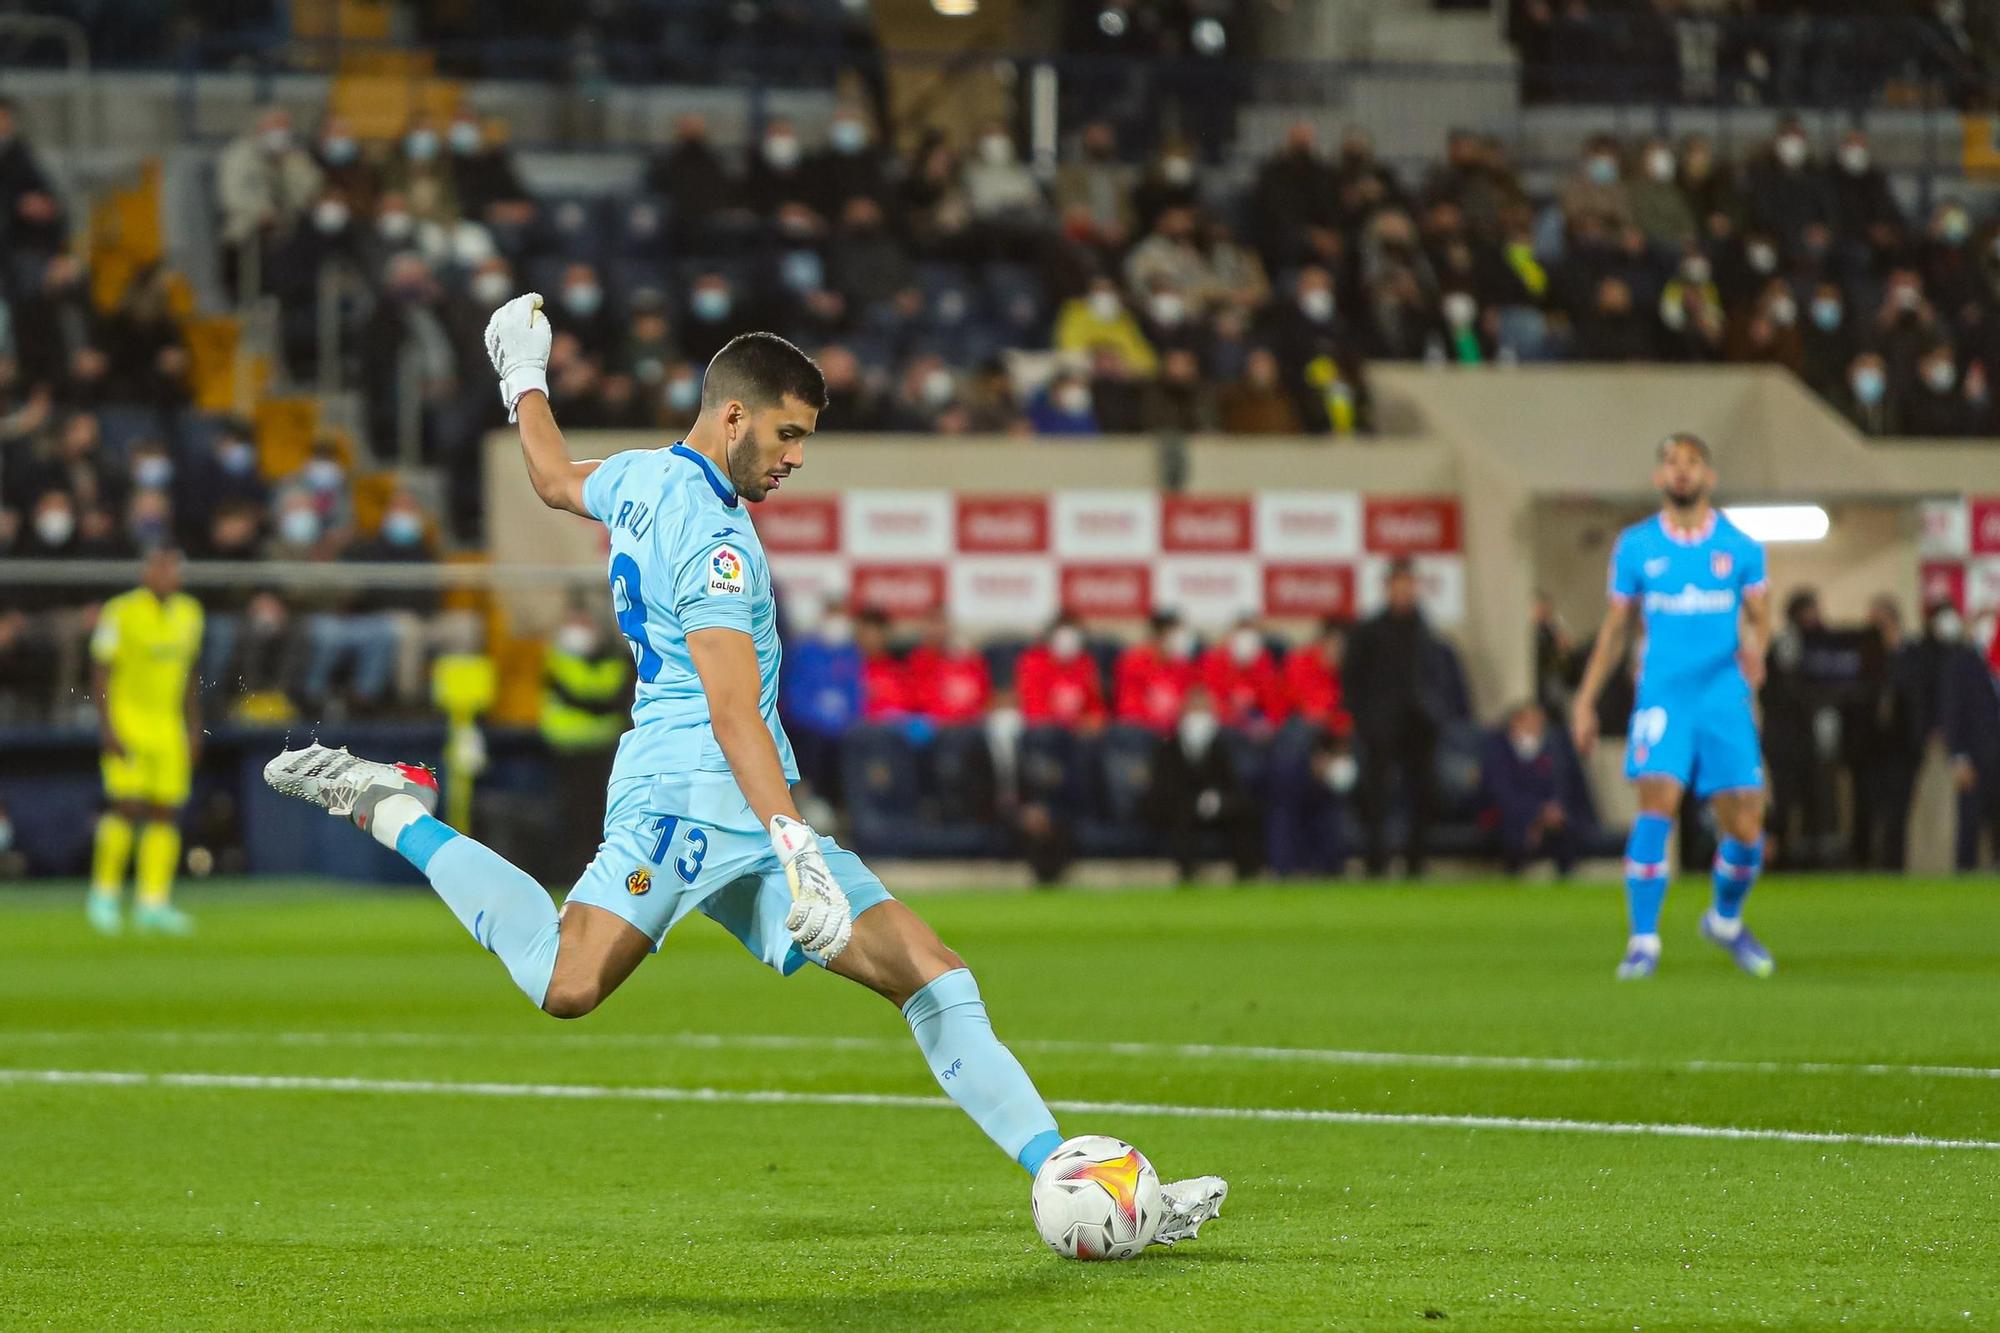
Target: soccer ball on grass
(1097,1197)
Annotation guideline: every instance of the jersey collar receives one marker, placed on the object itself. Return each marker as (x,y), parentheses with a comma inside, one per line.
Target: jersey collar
(1684,536)
(723,490)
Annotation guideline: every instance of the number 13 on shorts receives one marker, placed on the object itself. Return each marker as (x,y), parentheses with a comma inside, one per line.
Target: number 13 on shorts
(695,840)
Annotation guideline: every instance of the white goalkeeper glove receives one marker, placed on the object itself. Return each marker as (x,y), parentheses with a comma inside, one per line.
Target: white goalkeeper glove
(819,920)
(517,343)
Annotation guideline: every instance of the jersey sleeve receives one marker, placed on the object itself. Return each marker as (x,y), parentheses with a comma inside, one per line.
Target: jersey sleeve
(711,579)
(1625,571)
(1751,568)
(104,639)
(600,488)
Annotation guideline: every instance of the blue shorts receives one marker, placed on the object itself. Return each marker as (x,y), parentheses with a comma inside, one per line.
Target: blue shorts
(1707,743)
(664,855)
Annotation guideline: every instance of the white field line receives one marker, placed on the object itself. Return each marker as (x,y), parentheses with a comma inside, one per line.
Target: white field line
(760,1097)
(711,1041)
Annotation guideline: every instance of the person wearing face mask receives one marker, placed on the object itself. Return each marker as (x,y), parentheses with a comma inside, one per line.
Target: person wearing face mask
(1768,333)
(586,689)
(483,175)
(1100,318)
(1710,189)
(1936,404)
(713,317)
(1064,406)
(947,677)
(1828,339)
(851,165)
(383,635)
(265,184)
(1692,322)
(1866,204)
(1786,195)
(775,177)
(1000,190)
(346,169)
(822,695)
(1969,718)
(885,683)
(1058,681)
(1596,196)
(1529,778)
(421,172)
(581,301)
(1198,798)
(1311,679)
(1170,259)
(1242,678)
(1659,208)
(1150,679)
(228,474)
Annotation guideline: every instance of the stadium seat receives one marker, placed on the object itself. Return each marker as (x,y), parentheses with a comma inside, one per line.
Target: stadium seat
(641,225)
(121,426)
(1001,654)
(574,227)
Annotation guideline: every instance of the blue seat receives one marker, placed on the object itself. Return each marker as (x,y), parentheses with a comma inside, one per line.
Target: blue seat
(121,426)
(1000,655)
(574,226)
(630,281)
(1113,822)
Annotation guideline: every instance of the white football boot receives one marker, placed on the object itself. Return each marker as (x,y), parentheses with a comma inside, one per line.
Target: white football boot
(1189,1203)
(340,784)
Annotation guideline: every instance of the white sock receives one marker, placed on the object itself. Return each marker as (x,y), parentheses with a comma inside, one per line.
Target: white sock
(392,816)
(1725,927)
(1649,944)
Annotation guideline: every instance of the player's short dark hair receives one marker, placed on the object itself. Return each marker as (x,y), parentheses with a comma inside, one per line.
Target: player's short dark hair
(762,370)
(1688,438)
(1402,567)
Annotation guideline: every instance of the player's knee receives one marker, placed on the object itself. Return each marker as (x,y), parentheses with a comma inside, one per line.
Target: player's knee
(571,997)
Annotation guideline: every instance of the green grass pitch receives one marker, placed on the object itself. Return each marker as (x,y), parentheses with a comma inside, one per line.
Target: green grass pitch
(552,1199)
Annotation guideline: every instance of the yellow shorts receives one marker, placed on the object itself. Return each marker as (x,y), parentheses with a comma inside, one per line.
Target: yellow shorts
(154,770)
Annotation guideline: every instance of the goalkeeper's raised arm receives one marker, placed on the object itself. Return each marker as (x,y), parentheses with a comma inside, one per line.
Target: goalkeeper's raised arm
(517,342)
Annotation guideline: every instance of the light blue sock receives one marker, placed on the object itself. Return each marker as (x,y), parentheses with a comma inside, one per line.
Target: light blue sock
(949,1022)
(1736,867)
(1646,871)
(510,914)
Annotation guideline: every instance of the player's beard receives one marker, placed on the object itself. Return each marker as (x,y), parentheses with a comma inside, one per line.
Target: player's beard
(746,471)
(1686,498)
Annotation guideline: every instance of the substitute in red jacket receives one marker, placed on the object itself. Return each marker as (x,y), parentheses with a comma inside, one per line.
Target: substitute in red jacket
(946,676)
(885,681)
(1152,677)
(1242,677)
(1058,682)
(1312,679)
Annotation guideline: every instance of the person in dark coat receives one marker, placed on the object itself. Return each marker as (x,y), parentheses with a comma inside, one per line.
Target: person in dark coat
(1969,711)
(1532,783)
(1196,790)
(1399,691)
(1887,745)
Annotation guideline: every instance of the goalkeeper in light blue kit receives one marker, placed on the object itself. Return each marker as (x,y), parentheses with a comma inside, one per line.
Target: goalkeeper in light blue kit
(699,816)
(1698,582)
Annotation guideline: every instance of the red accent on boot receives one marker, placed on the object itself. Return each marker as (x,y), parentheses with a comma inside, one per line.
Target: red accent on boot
(418,774)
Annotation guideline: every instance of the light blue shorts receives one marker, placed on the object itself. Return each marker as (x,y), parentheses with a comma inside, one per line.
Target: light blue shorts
(670,849)
(1705,741)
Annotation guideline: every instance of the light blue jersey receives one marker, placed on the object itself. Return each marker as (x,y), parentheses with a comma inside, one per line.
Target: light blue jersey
(1693,720)
(678,835)
(1689,588)
(684,557)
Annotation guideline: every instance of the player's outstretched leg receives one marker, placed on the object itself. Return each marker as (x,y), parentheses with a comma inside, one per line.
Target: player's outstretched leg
(896,954)
(507,911)
(1645,892)
(1738,858)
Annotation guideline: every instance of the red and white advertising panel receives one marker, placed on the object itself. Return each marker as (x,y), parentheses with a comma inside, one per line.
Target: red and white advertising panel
(1309,591)
(1412,525)
(1982,585)
(905,588)
(893,525)
(1984,524)
(1947,528)
(1002,590)
(1014,560)
(1105,525)
(800,525)
(808,584)
(1218,524)
(1002,525)
(1209,591)
(1309,525)
(1106,591)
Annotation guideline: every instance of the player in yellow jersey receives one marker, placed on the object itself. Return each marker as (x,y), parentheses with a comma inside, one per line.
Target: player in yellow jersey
(143,680)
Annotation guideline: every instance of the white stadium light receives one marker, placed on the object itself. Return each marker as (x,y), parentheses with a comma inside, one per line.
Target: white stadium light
(1780,523)
(956,9)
